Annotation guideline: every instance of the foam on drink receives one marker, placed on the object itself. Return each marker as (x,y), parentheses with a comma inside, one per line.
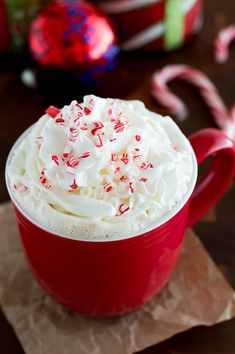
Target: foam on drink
(102,169)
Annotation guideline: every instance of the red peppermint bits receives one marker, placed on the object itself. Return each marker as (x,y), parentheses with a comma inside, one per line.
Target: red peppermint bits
(84,127)
(85,155)
(42,176)
(59,120)
(79,106)
(136,157)
(77,119)
(74,185)
(146,165)
(124,178)
(73,130)
(55,158)
(67,152)
(125,159)
(108,187)
(73,162)
(20,188)
(100,142)
(43,172)
(87,111)
(43,179)
(123,208)
(131,188)
(52,111)
(143,166)
(98,125)
(143,179)
(73,134)
(117,169)
(113,157)
(77,122)
(137,137)
(119,126)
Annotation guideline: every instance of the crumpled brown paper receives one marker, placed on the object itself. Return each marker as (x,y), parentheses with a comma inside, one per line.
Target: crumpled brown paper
(197,294)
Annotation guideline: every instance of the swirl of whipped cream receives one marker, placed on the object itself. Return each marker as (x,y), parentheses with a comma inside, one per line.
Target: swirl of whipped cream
(108,163)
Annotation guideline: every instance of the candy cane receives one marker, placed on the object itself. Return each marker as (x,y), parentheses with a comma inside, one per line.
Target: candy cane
(222,42)
(224,119)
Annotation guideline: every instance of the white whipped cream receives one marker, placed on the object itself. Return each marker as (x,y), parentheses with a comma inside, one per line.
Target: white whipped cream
(101,169)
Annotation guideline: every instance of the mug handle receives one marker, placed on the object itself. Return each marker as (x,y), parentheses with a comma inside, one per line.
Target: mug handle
(209,190)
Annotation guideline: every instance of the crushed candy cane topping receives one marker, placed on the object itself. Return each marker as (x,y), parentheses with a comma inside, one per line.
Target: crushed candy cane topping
(106,159)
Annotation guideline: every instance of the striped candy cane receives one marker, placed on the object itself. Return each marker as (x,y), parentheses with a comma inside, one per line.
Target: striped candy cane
(223,118)
(222,42)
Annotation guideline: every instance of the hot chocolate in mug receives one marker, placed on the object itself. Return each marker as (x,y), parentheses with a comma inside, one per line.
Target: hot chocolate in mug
(114,276)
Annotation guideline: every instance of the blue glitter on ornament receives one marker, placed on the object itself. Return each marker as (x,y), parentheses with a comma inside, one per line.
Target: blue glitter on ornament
(93,76)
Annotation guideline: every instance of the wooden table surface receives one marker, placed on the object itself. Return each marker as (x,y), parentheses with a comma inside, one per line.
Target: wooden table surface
(21,106)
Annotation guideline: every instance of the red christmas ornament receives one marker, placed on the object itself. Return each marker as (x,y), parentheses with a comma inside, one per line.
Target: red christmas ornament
(70,34)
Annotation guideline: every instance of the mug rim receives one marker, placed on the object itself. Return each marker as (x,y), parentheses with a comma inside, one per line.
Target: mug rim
(154,225)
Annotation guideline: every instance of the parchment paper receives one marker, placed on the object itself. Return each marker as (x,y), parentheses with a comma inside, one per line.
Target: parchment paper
(197,294)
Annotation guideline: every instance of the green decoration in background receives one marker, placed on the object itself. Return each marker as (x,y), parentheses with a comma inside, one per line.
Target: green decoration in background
(20,13)
(174,24)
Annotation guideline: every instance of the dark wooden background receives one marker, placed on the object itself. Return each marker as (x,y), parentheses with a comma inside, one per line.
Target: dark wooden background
(21,106)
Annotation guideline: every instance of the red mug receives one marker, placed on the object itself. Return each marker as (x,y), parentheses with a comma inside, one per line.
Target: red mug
(106,278)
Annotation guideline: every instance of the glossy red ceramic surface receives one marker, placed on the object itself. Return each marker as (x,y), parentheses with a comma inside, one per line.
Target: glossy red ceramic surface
(115,277)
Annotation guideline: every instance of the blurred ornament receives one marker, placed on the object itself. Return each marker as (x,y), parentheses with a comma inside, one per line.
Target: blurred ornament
(29,79)
(72,34)
(154,24)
